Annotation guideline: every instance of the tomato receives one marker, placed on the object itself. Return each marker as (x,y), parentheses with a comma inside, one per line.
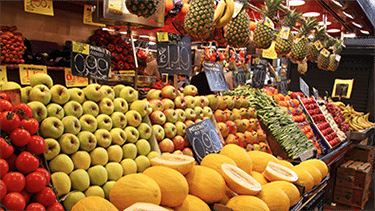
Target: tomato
(5,105)
(35,207)
(45,173)
(46,197)
(4,167)
(35,182)
(31,125)
(4,96)
(36,145)
(12,162)
(14,201)
(15,181)
(3,189)
(6,149)
(26,162)
(55,207)
(23,110)
(26,195)
(20,137)
(9,121)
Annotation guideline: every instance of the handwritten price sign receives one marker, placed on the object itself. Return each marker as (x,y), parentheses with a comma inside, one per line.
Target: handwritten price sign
(73,80)
(26,71)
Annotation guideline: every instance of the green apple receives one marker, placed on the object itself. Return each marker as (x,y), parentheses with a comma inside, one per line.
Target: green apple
(106,106)
(169,92)
(190,100)
(207,111)
(39,110)
(236,113)
(199,111)
(170,130)
(108,92)
(190,90)
(40,93)
(154,94)
(152,154)
(142,163)
(134,118)
(80,179)
(51,127)
(156,105)
(52,148)
(129,94)
(199,101)
(71,125)
(120,105)
(81,160)
(222,103)
(73,108)
(168,103)
(10,85)
(132,134)
(129,151)
(98,175)
(59,94)
(104,122)
(181,116)
(180,102)
(55,110)
(171,115)
(41,78)
(77,94)
(69,143)
(95,190)
(90,107)
(143,107)
(145,130)
(115,153)
(107,188)
(99,156)
(143,147)
(72,199)
(159,132)
(128,166)
(166,145)
(61,163)
(87,141)
(157,117)
(190,114)
(103,138)
(117,89)
(88,123)
(213,101)
(94,92)
(119,136)
(181,128)
(114,170)
(25,91)
(61,182)
(119,120)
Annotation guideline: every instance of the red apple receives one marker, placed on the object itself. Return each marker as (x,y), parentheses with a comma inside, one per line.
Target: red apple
(188,151)
(166,145)
(178,142)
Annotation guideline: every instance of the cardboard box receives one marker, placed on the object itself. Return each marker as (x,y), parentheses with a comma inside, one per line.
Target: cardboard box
(352,197)
(354,174)
(362,153)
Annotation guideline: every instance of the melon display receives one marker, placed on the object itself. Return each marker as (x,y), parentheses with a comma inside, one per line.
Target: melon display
(239,181)
(173,185)
(275,198)
(313,171)
(192,202)
(240,203)
(323,168)
(181,163)
(145,207)
(259,177)
(277,172)
(291,190)
(286,163)
(239,156)
(93,203)
(260,160)
(215,161)
(305,179)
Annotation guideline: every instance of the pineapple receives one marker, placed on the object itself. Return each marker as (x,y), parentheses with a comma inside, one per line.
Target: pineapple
(312,50)
(237,31)
(143,8)
(302,67)
(299,46)
(283,45)
(262,33)
(323,58)
(333,58)
(199,18)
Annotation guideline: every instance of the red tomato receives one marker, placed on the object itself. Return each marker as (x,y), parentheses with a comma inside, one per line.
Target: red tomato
(26,195)
(9,121)
(14,201)
(4,96)
(5,105)
(31,125)
(36,145)
(12,162)
(55,207)
(26,162)
(6,149)
(23,110)
(20,137)
(35,182)
(45,173)
(3,189)
(15,181)
(35,207)
(46,197)
(4,167)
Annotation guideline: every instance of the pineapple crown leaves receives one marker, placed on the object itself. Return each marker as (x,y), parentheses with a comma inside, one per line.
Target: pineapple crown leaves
(320,33)
(291,18)
(308,25)
(337,45)
(270,8)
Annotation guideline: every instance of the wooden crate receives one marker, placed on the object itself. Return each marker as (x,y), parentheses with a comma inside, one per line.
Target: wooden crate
(350,196)
(362,153)
(354,174)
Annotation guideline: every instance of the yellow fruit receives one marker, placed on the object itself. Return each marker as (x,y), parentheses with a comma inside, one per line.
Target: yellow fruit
(134,188)
(206,184)
(239,181)
(318,164)
(215,161)
(93,203)
(276,199)
(228,195)
(313,171)
(239,156)
(260,160)
(240,203)
(286,164)
(277,172)
(305,179)
(173,185)
(145,207)
(181,163)
(291,190)
(259,177)
(192,203)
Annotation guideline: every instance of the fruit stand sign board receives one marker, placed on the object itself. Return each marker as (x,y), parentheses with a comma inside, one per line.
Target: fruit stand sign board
(239,77)
(43,7)
(259,75)
(90,61)
(282,85)
(343,88)
(87,16)
(204,139)
(26,71)
(3,74)
(306,155)
(73,80)
(304,87)
(174,54)
(215,77)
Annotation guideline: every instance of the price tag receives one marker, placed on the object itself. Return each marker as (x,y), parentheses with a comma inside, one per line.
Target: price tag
(74,81)
(304,87)
(325,52)
(81,48)
(87,16)
(338,58)
(215,76)
(284,32)
(270,53)
(115,6)
(318,45)
(162,36)
(268,22)
(297,38)
(278,78)
(259,75)
(43,7)
(3,74)
(26,71)
(306,154)
(127,72)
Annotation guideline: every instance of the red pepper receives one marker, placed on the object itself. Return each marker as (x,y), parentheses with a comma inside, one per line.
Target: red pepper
(116,39)
(120,65)
(113,65)
(126,66)
(118,49)
(115,56)
(121,43)
(111,47)
(99,32)
(125,51)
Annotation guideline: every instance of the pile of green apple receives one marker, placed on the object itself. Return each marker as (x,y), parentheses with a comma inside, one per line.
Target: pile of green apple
(94,136)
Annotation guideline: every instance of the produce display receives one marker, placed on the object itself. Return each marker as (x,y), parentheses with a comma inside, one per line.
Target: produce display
(12,47)
(331,121)
(357,120)
(338,117)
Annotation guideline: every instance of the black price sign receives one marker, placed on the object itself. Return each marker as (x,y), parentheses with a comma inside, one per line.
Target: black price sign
(90,61)
(282,85)
(239,77)
(304,87)
(174,54)
(315,93)
(215,77)
(204,139)
(259,75)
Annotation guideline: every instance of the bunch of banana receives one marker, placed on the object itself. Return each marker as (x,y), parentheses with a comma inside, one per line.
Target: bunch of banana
(223,13)
(357,120)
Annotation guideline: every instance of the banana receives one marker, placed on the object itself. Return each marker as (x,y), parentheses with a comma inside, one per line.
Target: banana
(353,126)
(368,121)
(227,16)
(219,11)
(362,122)
(339,104)
(357,124)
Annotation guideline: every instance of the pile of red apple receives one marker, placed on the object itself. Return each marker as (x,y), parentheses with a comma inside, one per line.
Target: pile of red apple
(338,117)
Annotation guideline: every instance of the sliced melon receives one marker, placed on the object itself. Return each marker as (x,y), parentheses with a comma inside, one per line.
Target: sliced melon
(239,156)
(313,171)
(323,168)
(286,164)
(239,181)
(240,203)
(215,161)
(141,206)
(260,160)
(275,198)
(304,178)
(277,172)
(259,177)
(181,163)
(290,189)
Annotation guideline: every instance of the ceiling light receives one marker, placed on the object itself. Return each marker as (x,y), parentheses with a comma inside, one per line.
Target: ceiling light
(294,32)
(311,36)
(105,29)
(357,24)
(321,23)
(151,43)
(152,39)
(347,15)
(123,32)
(364,32)
(351,35)
(337,3)
(333,30)
(296,2)
(144,36)
(311,14)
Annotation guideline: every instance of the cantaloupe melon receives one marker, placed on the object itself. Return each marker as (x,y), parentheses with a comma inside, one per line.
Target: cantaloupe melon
(93,203)
(173,185)
(215,161)
(286,163)
(206,183)
(134,188)
(243,202)
(181,163)
(277,172)
(142,206)
(259,177)
(239,156)
(323,168)
(313,171)
(239,181)
(192,202)
(260,160)
(305,179)
(290,189)
(276,199)
(228,195)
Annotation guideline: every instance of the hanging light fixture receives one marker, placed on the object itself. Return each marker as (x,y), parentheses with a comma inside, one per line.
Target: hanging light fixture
(296,3)
(311,14)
